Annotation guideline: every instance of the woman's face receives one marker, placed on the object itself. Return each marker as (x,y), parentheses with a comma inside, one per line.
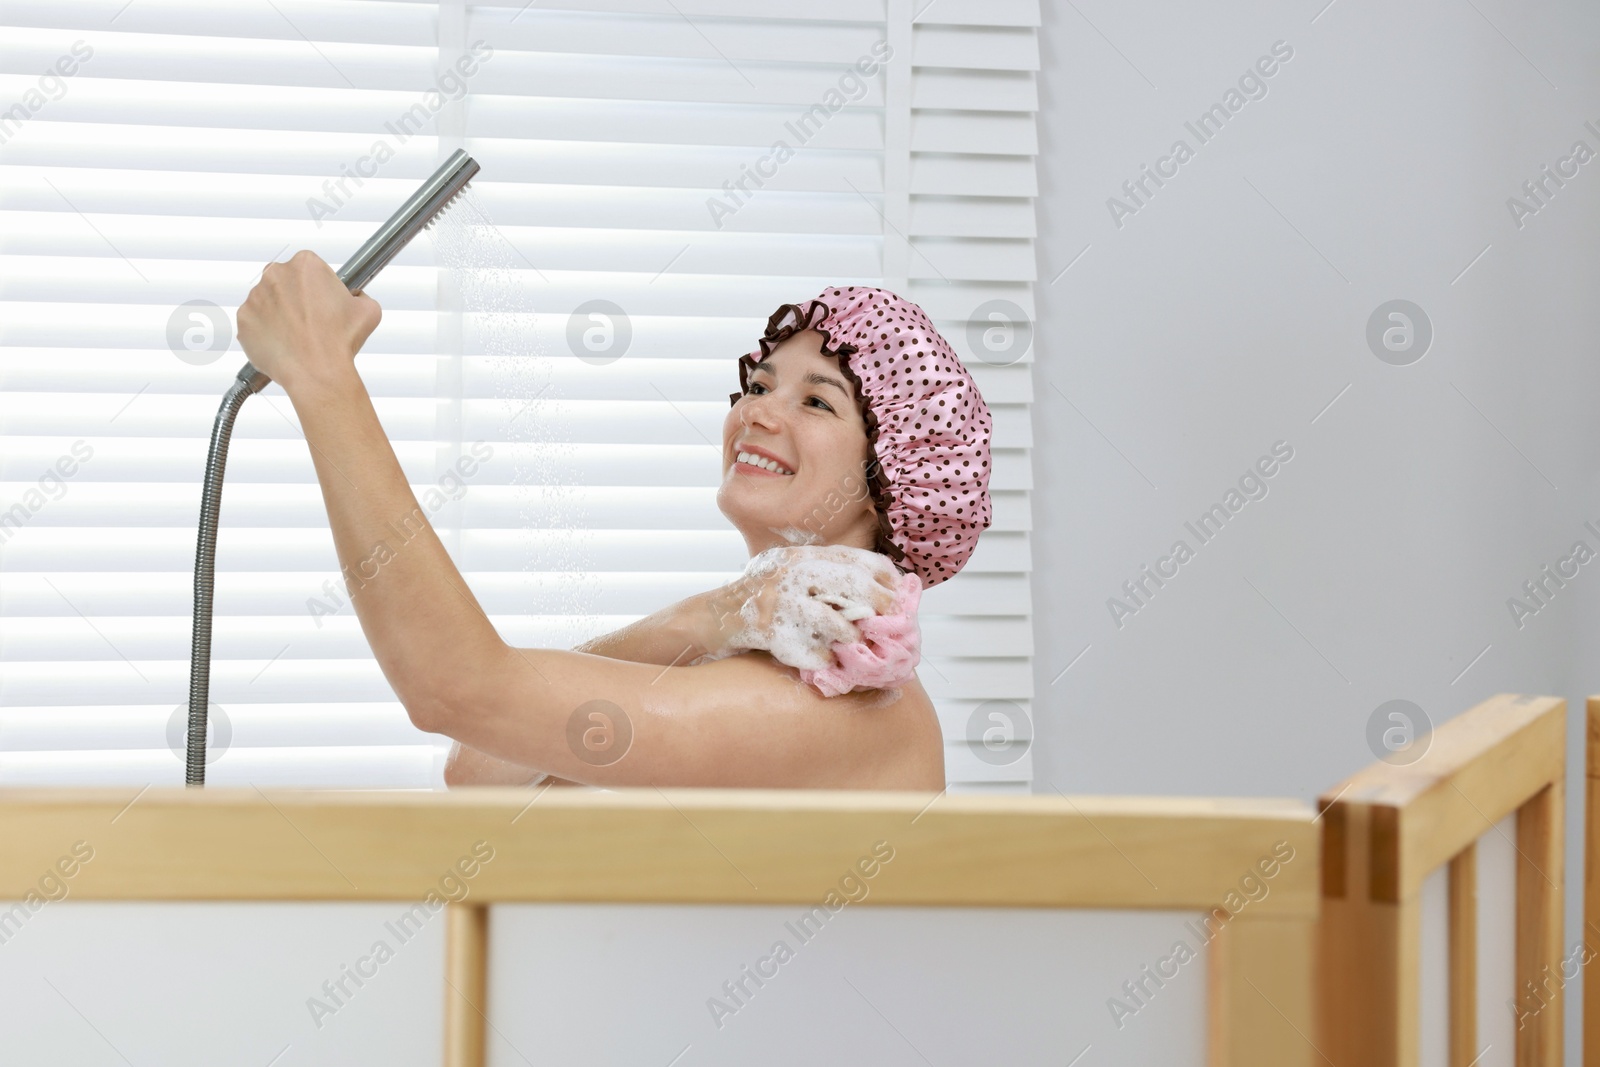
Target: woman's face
(800,411)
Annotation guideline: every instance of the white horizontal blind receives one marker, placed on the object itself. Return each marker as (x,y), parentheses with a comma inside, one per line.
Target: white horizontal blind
(188,148)
(971,228)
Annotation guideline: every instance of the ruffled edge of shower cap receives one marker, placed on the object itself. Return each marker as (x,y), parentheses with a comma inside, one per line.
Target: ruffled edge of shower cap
(929,482)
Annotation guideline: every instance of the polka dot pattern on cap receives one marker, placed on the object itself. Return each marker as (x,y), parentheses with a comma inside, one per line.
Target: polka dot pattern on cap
(926,421)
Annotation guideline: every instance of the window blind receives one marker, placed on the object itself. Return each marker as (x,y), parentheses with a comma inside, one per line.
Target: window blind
(193,142)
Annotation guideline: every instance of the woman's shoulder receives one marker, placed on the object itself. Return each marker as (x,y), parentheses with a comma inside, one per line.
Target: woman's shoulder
(760,669)
(899,724)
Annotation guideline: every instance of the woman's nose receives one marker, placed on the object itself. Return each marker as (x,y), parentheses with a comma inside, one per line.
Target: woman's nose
(760,410)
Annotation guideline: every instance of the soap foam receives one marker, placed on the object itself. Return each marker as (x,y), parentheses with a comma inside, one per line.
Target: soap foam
(796,536)
(817,593)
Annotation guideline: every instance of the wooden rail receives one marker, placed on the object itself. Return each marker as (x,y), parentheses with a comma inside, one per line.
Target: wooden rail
(716,846)
(1591,885)
(1387,828)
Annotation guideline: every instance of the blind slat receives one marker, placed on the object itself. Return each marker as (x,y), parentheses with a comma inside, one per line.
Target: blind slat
(301,766)
(967,90)
(663,343)
(334,633)
(58,549)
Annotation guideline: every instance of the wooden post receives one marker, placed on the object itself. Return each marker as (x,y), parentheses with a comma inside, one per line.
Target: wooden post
(466,979)
(1464,958)
(1540,867)
(1261,994)
(1591,889)
(1367,953)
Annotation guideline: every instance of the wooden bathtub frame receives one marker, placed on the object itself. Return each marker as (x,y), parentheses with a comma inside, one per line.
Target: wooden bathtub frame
(716,846)
(1591,882)
(1387,828)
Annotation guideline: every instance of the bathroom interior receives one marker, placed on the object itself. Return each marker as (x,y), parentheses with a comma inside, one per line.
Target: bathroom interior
(1262,698)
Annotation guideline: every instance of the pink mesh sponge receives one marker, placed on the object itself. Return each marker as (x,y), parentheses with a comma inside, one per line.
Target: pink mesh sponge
(927,424)
(887,653)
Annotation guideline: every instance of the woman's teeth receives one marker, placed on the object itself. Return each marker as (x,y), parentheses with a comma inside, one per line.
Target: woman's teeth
(764,463)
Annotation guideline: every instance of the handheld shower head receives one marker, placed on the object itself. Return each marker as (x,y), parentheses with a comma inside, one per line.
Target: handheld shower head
(415,215)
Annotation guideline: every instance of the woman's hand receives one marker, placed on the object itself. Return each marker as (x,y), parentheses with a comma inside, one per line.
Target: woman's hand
(797,601)
(300,325)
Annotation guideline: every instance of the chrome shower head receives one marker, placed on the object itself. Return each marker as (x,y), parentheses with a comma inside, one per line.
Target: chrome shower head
(412,217)
(415,215)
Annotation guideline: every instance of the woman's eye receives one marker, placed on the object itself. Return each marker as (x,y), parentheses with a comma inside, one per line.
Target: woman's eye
(751,390)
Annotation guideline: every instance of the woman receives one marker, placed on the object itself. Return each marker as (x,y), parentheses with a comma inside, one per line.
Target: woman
(853,377)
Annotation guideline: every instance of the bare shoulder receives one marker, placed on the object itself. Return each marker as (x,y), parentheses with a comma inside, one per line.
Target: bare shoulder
(882,739)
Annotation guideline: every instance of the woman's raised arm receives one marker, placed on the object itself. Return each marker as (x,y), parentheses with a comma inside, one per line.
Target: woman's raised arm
(668,637)
(741,722)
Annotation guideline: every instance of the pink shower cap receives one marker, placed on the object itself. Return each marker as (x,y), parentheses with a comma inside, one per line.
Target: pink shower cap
(927,424)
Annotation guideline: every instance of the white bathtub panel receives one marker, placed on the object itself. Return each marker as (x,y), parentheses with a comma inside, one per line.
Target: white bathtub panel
(211,983)
(1497,943)
(1435,965)
(621,984)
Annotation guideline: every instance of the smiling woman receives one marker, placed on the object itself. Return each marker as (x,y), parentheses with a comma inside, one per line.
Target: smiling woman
(662,701)
(794,440)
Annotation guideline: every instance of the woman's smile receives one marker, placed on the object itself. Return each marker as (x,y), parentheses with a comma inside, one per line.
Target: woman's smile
(749,459)
(753,471)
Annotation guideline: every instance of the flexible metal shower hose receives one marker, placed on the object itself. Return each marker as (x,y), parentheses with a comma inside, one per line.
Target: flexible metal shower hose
(248,381)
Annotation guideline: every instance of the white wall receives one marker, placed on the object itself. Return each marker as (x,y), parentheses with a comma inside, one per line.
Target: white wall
(1231,309)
